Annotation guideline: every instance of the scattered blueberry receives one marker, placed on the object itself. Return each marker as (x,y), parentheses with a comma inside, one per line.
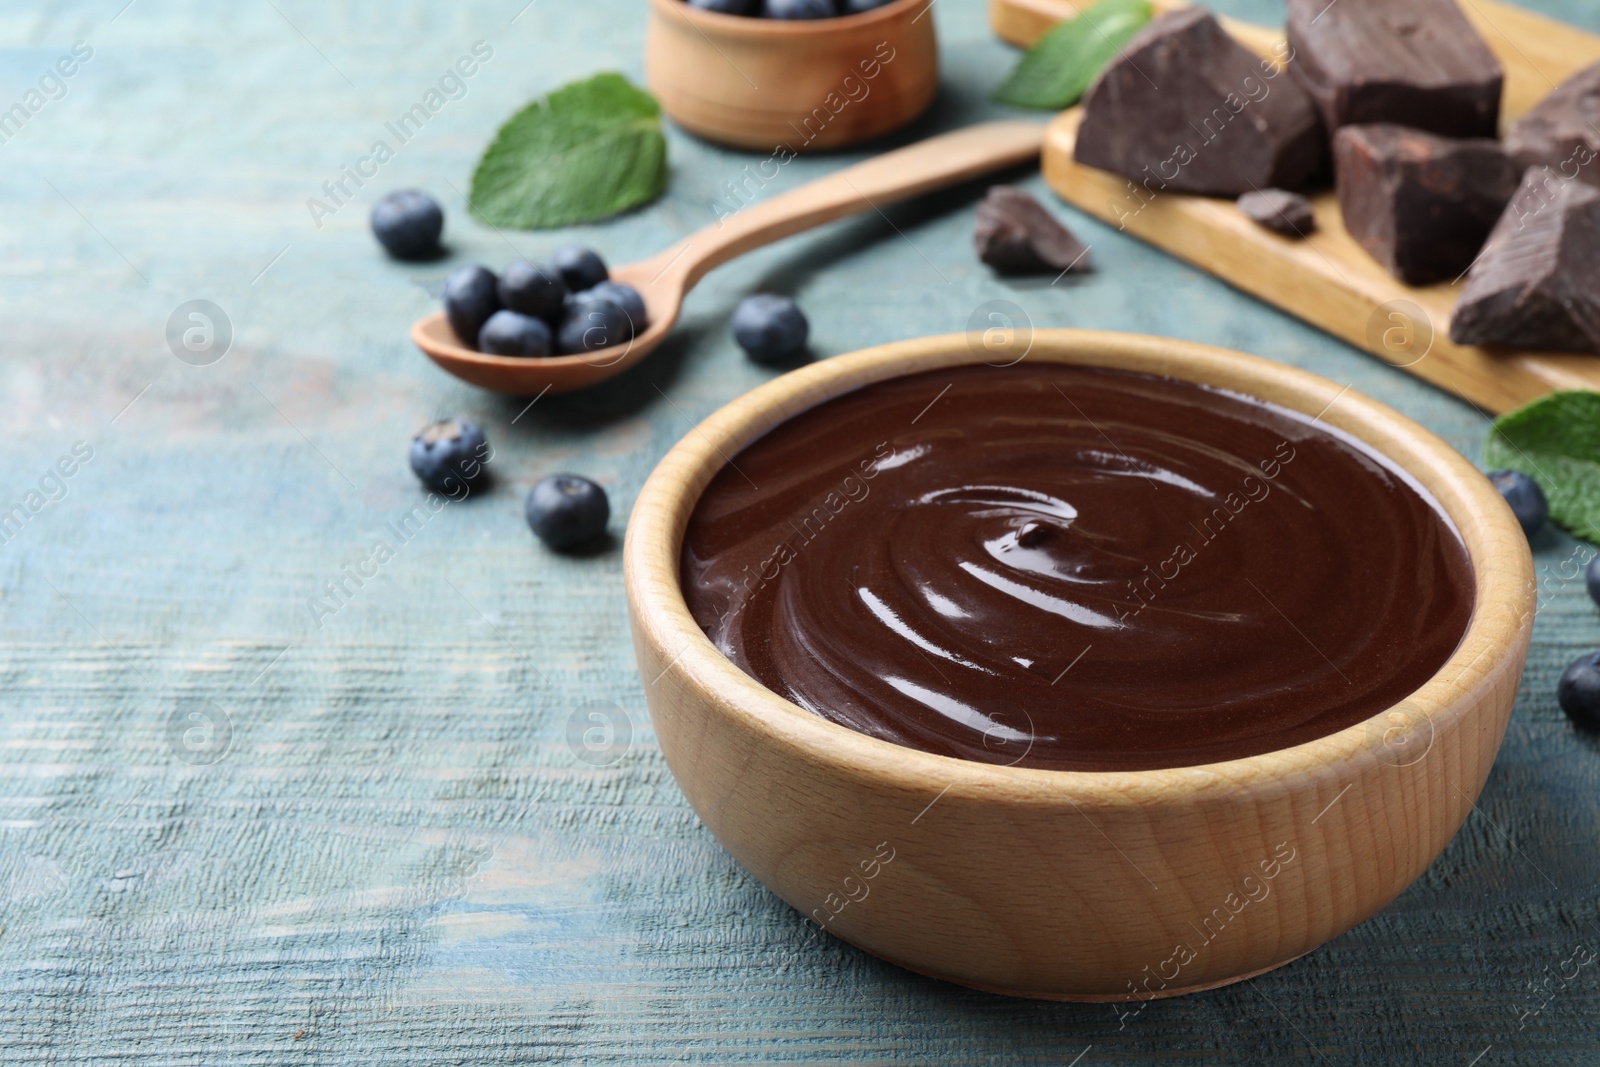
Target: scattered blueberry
(408,224)
(628,297)
(592,322)
(770,328)
(571,297)
(511,333)
(470,296)
(1525,497)
(1591,577)
(449,455)
(859,7)
(1579,691)
(567,511)
(798,9)
(728,7)
(580,268)
(533,290)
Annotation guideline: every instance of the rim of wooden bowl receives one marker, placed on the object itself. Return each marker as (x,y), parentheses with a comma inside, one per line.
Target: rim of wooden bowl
(1501,562)
(751,27)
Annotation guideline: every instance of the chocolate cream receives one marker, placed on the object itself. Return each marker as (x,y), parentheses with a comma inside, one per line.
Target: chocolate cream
(1074,568)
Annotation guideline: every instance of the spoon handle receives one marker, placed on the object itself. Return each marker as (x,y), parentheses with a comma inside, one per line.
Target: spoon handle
(882,180)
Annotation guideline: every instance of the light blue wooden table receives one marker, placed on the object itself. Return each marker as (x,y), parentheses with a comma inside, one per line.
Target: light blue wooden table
(384,848)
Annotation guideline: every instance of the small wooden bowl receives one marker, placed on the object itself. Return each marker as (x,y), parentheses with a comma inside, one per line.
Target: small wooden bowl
(801,86)
(1074,885)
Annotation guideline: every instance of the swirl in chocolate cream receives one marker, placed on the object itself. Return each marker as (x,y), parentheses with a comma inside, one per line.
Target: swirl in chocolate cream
(1074,568)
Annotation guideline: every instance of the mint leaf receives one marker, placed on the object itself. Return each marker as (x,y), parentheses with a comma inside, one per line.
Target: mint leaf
(587,151)
(1057,70)
(1555,441)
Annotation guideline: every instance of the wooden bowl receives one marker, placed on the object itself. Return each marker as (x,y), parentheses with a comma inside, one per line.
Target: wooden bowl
(801,86)
(1078,885)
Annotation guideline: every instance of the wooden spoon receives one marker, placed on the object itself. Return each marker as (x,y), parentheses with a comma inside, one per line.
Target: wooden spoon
(664,279)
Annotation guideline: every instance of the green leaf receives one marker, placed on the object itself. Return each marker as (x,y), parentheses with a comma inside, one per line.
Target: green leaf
(1555,441)
(589,150)
(1057,70)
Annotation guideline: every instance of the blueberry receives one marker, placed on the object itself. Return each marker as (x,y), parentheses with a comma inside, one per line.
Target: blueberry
(592,322)
(449,456)
(533,290)
(628,297)
(1579,691)
(1525,497)
(580,268)
(408,224)
(510,333)
(567,510)
(799,9)
(471,295)
(859,7)
(1591,577)
(770,328)
(728,7)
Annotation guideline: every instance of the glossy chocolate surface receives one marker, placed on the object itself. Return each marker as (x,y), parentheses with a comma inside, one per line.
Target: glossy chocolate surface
(1074,568)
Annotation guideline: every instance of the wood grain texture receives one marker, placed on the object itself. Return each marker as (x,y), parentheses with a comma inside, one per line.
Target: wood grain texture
(773,85)
(809,806)
(1327,279)
(401,857)
(665,279)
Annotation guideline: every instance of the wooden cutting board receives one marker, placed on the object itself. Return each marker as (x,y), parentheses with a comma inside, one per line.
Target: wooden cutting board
(1327,279)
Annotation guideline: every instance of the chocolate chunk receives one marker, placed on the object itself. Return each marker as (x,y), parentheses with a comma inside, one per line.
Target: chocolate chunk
(1537,284)
(1185,107)
(1563,130)
(1279,211)
(1420,204)
(1411,62)
(1016,235)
